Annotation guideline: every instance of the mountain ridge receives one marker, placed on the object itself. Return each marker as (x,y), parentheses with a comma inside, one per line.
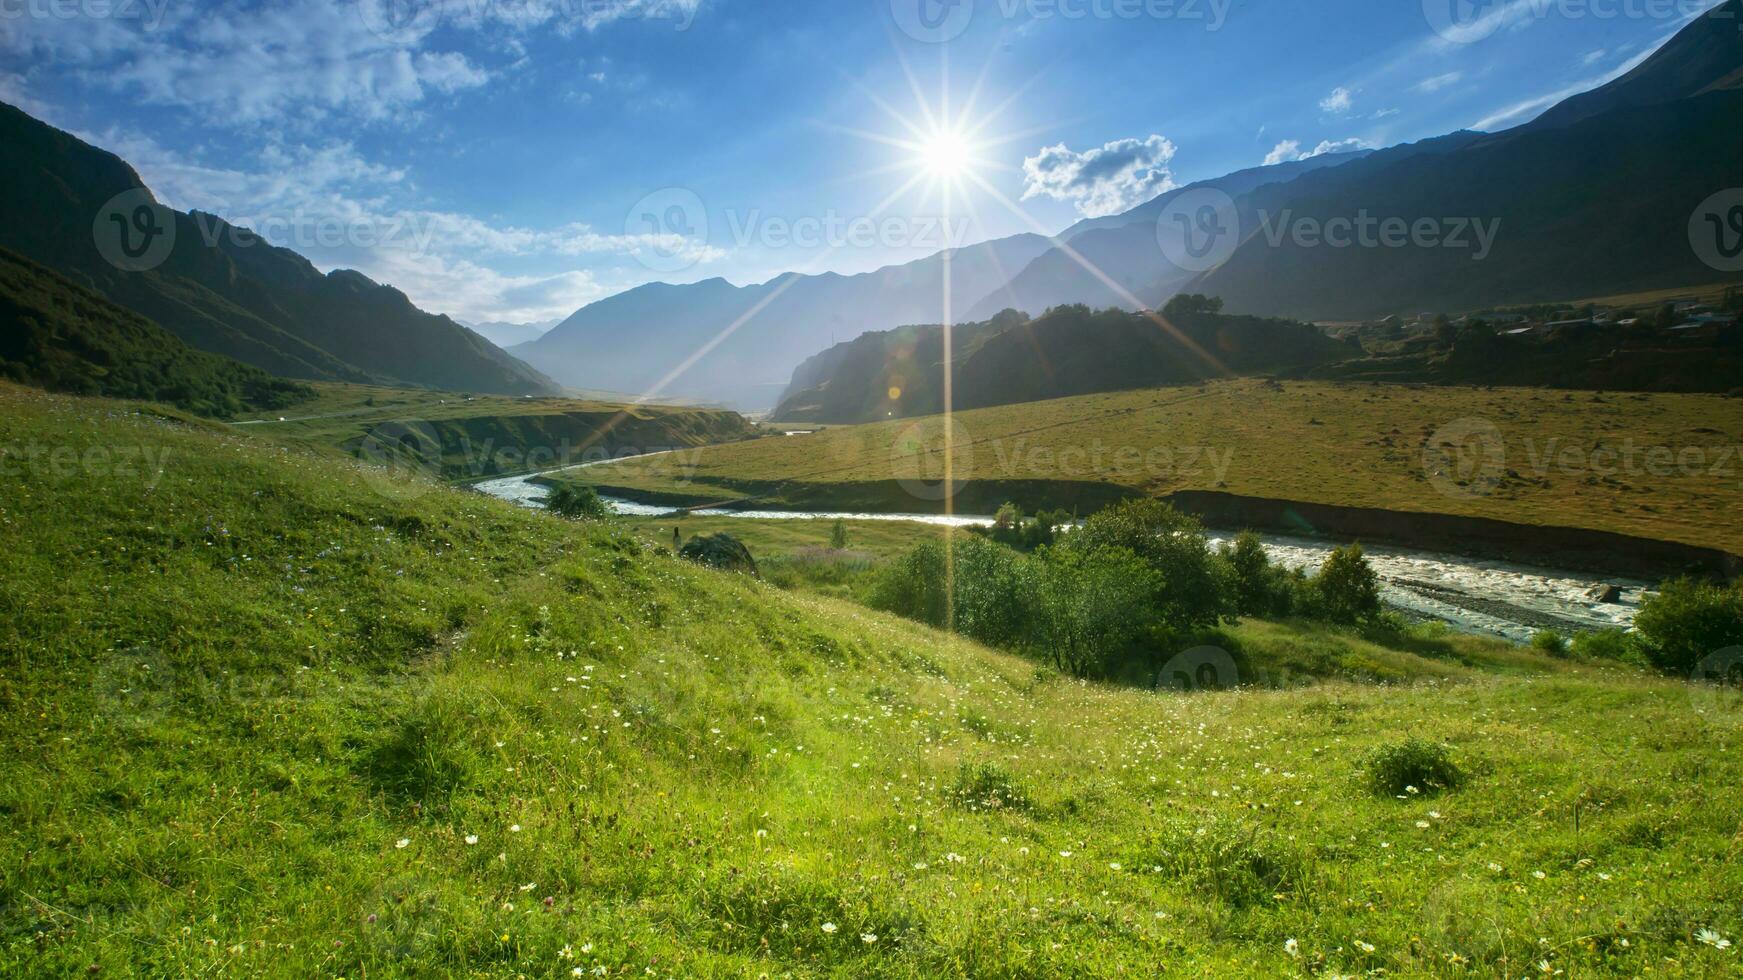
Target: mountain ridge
(222,289)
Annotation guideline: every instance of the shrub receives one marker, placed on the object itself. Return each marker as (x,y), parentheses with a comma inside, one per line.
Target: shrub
(1261,589)
(1688,621)
(1193,590)
(913,586)
(987,786)
(1236,863)
(1093,606)
(1550,642)
(582,502)
(838,535)
(1346,589)
(1605,645)
(1415,765)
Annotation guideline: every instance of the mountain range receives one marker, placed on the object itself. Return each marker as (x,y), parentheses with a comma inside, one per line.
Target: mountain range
(1593,197)
(221,289)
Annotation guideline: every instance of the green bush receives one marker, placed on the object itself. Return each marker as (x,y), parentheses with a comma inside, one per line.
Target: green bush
(987,786)
(1688,621)
(1550,642)
(1413,766)
(1347,590)
(1261,589)
(1238,864)
(1606,645)
(1193,589)
(577,501)
(1094,606)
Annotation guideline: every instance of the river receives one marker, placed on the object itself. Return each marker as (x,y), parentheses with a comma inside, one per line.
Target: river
(1473,595)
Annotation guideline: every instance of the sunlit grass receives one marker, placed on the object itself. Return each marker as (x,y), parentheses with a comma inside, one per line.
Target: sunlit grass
(259,719)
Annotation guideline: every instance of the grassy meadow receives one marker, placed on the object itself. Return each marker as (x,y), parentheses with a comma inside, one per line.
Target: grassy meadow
(1660,466)
(265,713)
(464,436)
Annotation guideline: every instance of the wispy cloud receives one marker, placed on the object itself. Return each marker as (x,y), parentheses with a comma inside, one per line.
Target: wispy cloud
(1439,82)
(1340,101)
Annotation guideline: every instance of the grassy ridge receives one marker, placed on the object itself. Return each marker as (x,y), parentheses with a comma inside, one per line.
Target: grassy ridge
(465,436)
(254,713)
(1360,445)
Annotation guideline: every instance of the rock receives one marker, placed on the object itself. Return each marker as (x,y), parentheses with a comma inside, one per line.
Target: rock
(1608,594)
(722,551)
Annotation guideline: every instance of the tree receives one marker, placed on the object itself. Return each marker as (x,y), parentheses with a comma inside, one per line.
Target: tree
(1689,621)
(1192,589)
(1347,589)
(838,535)
(1192,304)
(1093,605)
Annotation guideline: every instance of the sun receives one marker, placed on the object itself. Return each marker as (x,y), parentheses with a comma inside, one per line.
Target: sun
(946,154)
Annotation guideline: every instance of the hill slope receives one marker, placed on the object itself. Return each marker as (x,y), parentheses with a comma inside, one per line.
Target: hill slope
(223,290)
(281,725)
(57,335)
(1069,351)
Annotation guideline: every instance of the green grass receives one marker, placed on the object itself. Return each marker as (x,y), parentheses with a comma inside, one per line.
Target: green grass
(1360,445)
(463,436)
(252,711)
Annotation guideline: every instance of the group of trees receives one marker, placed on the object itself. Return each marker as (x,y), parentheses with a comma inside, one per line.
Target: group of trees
(1132,585)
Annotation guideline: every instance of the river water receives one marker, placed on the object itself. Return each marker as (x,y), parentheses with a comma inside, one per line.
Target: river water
(1473,595)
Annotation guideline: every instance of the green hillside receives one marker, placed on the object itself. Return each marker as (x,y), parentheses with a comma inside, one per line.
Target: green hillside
(258,718)
(222,289)
(61,336)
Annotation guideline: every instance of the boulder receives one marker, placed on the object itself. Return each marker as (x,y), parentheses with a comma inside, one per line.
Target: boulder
(1608,594)
(722,551)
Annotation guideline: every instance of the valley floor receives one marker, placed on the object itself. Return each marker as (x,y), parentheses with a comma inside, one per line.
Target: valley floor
(1662,467)
(265,713)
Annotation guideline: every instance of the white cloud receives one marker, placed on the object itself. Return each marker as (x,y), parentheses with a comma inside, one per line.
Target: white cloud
(295,61)
(1103,180)
(1340,101)
(1283,153)
(1335,146)
(1290,150)
(1439,82)
(1528,109)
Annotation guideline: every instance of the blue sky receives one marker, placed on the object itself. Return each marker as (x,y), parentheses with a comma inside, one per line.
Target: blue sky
(516,159)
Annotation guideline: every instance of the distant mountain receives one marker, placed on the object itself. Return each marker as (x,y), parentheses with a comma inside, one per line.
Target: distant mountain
(1702,58)
(506,335)
(223,290)
(58,335)
(1596,197)
(716,342)
(1602,206)
(1070,351)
